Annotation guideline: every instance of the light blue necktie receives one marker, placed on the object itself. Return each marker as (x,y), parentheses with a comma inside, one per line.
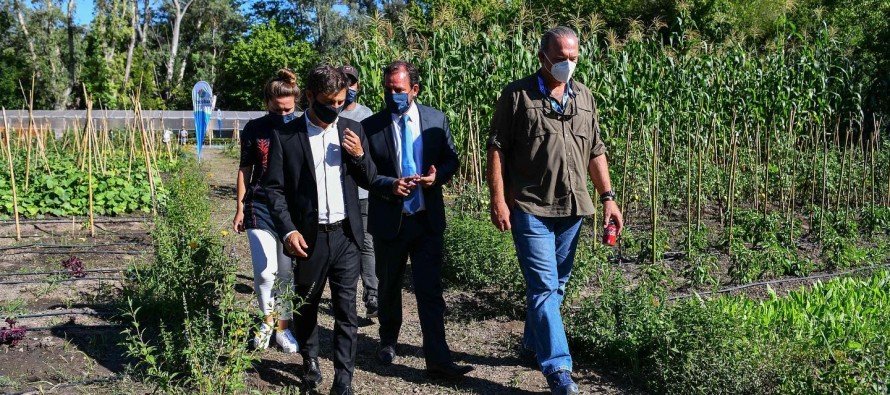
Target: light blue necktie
(409,168)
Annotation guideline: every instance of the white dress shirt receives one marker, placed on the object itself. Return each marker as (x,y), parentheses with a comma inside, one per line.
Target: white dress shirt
(414,128)
(326,153)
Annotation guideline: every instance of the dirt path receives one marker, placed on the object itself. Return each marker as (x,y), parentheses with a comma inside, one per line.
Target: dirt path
(487,343)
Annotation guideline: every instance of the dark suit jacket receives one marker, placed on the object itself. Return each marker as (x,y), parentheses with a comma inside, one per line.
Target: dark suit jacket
(384,208)
(291,186)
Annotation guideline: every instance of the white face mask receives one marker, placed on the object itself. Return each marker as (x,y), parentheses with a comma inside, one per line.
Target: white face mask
(562,71)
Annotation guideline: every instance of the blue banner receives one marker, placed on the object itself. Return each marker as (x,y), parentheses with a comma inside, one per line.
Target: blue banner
(202,99)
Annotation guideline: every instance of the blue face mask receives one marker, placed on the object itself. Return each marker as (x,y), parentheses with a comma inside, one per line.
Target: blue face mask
(351,95)
(397,103)
(286,117)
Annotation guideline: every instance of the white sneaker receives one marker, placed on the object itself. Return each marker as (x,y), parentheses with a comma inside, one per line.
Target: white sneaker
(286,340)
(261,337)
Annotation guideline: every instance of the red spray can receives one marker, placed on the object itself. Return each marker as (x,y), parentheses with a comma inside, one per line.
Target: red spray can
(610,233)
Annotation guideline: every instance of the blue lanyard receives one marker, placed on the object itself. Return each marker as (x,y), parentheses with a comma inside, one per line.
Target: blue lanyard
(554,104)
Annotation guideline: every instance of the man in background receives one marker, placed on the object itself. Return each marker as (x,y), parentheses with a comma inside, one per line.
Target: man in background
(357,112)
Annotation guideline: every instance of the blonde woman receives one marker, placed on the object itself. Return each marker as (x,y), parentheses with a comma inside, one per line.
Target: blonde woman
(272,269)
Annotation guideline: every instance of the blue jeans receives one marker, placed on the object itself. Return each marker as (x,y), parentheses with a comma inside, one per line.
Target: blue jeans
(546,251)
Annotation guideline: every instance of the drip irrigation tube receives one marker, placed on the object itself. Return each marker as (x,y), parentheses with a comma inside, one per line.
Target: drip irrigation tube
(73,246)
(76,221)
(109,252)
(68,385)
(64,280)
(58,313)
(61,272)
(779,281)
(104,232)
(73,327)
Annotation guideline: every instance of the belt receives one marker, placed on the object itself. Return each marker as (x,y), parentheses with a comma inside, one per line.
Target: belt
(326,228)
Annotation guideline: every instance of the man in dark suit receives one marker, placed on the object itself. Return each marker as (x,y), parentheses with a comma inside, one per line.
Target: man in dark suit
(314,167)
(412,147)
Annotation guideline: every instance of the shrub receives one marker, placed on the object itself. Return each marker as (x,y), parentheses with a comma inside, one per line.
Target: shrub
(187,330)
(478,256)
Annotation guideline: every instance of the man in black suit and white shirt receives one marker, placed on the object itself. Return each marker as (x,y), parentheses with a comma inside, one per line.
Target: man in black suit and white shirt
(315,165)
(412,147)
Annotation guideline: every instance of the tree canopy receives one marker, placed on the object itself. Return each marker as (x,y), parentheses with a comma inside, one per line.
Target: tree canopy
(157,49)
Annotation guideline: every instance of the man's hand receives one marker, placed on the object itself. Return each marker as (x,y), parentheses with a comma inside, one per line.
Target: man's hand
(500,216)
(430,178)
(403,186)
(352,144)
(611,212)
(238,222)
(296,245)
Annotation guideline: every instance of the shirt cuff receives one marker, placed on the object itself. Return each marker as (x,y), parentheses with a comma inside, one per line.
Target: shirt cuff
(287,236)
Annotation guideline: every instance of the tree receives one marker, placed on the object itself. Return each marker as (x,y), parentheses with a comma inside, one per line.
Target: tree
(254,59)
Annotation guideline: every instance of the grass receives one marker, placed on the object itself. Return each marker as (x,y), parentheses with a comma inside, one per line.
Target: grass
(13,307)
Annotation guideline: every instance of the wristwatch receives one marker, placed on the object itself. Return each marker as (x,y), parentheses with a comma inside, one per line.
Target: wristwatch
(607,196)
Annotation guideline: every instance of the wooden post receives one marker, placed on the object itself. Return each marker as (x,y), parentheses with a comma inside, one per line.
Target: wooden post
(15,199)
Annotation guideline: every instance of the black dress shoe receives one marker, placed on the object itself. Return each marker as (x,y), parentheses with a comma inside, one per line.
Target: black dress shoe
(342,389)
(386,354)
(452,371)
(311,372)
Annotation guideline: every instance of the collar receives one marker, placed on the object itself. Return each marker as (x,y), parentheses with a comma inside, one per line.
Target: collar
(554,104)
(314,129)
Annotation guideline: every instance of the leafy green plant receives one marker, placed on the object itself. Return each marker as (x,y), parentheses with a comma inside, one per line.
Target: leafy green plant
(188,331)
(477,256)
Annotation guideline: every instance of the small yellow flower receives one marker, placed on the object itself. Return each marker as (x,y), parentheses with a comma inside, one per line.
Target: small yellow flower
(224,233)
(193,244)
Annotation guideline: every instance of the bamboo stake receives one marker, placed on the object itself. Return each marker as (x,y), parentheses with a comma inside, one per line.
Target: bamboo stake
(689,194)
(842,182)
(698,196)
(654,194)
(732,181)
(28,133)
(871,146)
(15,198)
(825,204)
(477,152)
(89,145)
(148,166)
(626,159)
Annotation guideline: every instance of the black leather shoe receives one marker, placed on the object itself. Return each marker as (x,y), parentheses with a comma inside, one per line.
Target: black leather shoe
(452,371)
(311,372)
(342,390)
(386,354)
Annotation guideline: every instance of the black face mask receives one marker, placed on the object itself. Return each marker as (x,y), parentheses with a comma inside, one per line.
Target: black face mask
(326,113)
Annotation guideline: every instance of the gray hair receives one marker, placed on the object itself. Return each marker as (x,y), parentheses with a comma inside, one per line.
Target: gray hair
(551,35)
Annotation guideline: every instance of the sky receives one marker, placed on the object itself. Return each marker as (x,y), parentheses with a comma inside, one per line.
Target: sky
(83,12)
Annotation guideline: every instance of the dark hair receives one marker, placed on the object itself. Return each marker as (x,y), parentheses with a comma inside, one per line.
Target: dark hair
(284,83)
(395,67)
(551,35)
(326,79)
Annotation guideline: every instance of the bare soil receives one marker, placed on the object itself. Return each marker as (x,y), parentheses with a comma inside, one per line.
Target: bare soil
(75,347)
